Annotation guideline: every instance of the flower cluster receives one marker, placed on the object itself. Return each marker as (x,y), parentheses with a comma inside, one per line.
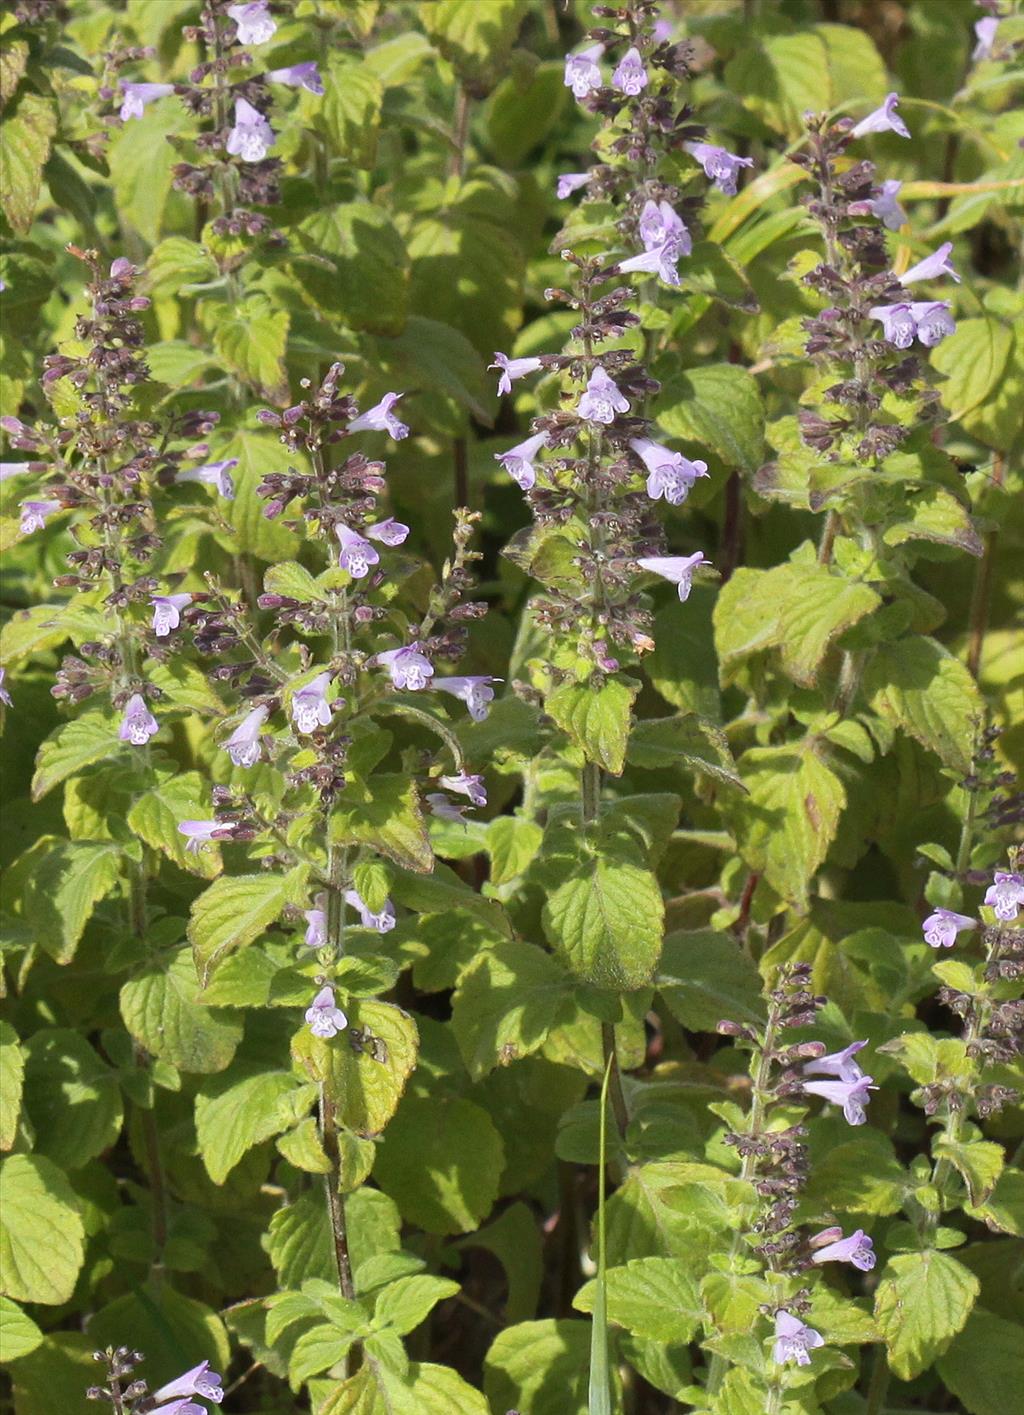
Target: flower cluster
(130,1395)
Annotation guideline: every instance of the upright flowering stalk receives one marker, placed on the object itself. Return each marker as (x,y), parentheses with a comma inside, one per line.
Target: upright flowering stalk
(194,1392)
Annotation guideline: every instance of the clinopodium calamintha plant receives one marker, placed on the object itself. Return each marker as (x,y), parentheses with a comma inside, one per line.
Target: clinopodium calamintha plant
(512,880)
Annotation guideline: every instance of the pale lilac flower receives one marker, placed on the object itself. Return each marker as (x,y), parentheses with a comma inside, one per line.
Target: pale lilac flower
(216,474)
(475,691)
(659,223)
(857,1249)
(121,269)
(14,469)
(310,708)
(676,568)
(720,166)
(357,554)
(199,1381)
(883,120)
(252,137)
(463,785)
(137,96)
(660,261)
(662,30)
(380,418)
(933,322)
(582,74)
(898,325)
(408,667)
(630,76)
(851,1095)
(243,746)
(444,809)
(985,34)
(942,927)
(569,182)
(511,369)
(167,612)
(184,1406)
(670,474)
(518,460)
(305,76)
(34,515)
(324,1017)
(794,1340)
(5,696)
(383,922)
(932,267)
(137,723)
(886,206)
(388,532)
(255,25)
(602,399)
(837,1063)
(200,832)
(316,924)
(1006,895)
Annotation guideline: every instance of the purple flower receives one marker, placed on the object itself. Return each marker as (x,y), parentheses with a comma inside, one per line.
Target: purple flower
(720,166)
(216,474)
(380,418)
(137,724)
(34,515)
(136,96)
(794,1340)
(933,321)
(444,809)
(199,832)
(408,667)
(659,223)
(882,120)
(931,267)
(243,746)
(184,1406)
(383,922)
(677,568)
(305,76)
(886,207)
(357,554)
(985,34)
(582,74)
(255,25)
(942,927)
(316,924)
(511,369)
(602,399)
(660,261)
(630,76)
(476,692)
(837,1063)
(199,1381)
(310,708)
(898,325)
(252,137)
(662,30)
(518,460)
(1006,895)
(5,696)
(569,182)
(389,532)
(857,1249)
(14,469)
(167,612)
(324,1017)
(851,1095)
(670,474)
(463,785)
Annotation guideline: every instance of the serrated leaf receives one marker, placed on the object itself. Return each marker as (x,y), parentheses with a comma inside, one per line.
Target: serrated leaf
(235,1112)
(404,1304)
(980,1162)
(506,1003)
(540,1368)
(719,407)
(597,719)
(351,109)
(293,581)
(920,687)
(984,1365)
(29,128)
(69,880)
(364,1068)
(251,338)
(650,1297)
(365,278)
(41,1233)
(422,1389)
(302,1148)
(18,1332)
(388,817)
(475,40)
(236,909)
(155,815)
(705,976)
(441,1164)
(72,747)
(922,1301)
(71,1096)
(163,1011)
(605,920)
(12,1072)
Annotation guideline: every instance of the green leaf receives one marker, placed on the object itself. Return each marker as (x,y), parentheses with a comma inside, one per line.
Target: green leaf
(441,1164)
(934,515)
(29,128)
(423,1389)
(41,1233)
(167,1325)
(177,261)
(55,1376)
(72,747)
(856,68)
(474,38)
(302,1148)
(862,1176)
(784,827)
(429,354)
(539,1368)
(141,163)
(317,1350)
(257,454)
(718,406)
(984,1365)
(240,1110)
(710,272)
(18,1332)
(515,1240)
(974,360)
(921,1303)
(522,111)
(979,1161)
(68,881)
(684,666)
(388,817)
(441,891)
(597,719)
(236,909)
(13,59)
(12,1071)
(605,920)
(350,111)
(919,686)
(366,281)
(251,338)
(705,976)
(162,1009)
(506,1003)
(366,1067)
(781,78)
(512,843)
(155,815)
(650,1297)
(688,741)
(300,1243)
(72,1098)
(293,581)
(404,1304)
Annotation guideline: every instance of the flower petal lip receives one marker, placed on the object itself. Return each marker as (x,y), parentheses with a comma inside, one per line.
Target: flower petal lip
(884,119)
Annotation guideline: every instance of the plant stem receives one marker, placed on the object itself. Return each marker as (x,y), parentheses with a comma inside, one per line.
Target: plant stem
(460,462)
(878,1384)
(460,132)
(590,794)
(610,1053)
(981,594)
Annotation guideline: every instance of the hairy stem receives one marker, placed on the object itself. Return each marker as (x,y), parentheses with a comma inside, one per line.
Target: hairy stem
(878,1385)
(982,593)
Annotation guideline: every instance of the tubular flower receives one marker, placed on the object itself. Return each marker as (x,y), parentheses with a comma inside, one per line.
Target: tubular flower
(670,474)
(463,785)
(357,554)
(408,667)
(137,96)
(985,34)
(1005,895)
(255,25)
(518,460)
(200,832)
(942,927)
(167,612)
(252,137)
(851,1095)
(316,924)
(324,1017)
(383,922)
(569,182)
(137,724)
(216,474)
(602,399)
(883,120)
(444,809)
(34,515)
(659,224)
(475,691)
(388,532)
(857,1249)
(305,76)
(886,206)
(5,696)
(720,166)
(243,746)
(837,1063)
(199,1381)
(794,1340)
(511,369)
(934,265)
(676,568)
(310,708)
(582,74)
(630,76)
(380,418)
